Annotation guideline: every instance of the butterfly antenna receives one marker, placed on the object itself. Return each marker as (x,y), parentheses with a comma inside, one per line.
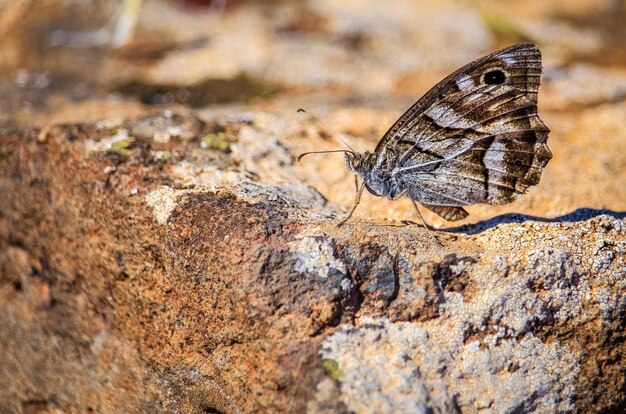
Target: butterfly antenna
(324,152)
(319,121)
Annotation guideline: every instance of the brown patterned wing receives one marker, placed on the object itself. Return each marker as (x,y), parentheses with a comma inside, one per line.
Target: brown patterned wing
(475,137)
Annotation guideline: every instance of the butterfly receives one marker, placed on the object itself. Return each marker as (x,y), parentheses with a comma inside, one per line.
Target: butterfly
(474,138)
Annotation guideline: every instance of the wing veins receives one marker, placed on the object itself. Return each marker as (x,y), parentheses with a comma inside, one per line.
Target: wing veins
(434,121)
(449,197)
(498,115)
(463,151)
(451,157)
(473,179)
(415,119)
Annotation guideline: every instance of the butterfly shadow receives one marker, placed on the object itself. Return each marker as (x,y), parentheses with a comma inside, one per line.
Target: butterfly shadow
(577,215)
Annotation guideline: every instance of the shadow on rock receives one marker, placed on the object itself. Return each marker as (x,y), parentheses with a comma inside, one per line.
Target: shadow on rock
(580,214)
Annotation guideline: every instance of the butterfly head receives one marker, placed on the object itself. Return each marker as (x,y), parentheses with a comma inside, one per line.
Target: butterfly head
(353,161)
(376,181)
(357,163)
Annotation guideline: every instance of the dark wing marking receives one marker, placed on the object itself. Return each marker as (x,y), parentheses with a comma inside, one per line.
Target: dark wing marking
(523,61)
(475,137)
(496,170)
(448,213)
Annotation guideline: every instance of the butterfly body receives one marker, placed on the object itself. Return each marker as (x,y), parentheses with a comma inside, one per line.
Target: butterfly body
(474,138)
(374,172)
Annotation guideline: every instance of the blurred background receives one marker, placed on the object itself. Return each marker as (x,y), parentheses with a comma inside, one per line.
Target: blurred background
(78,60)
(356,64)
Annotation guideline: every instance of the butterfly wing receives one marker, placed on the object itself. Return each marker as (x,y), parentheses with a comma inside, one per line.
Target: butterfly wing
(475,137)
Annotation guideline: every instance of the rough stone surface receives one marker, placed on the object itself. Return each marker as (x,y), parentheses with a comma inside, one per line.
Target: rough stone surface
(155,258)
(192,282)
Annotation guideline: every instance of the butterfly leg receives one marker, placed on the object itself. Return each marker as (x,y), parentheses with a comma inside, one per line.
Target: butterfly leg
(359,192)
(424,223)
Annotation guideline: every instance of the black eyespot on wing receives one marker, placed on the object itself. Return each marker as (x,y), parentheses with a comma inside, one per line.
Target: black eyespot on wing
(494,77)
(518,163)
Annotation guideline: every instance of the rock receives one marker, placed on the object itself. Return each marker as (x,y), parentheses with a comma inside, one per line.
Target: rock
(159,258)
(142,274)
